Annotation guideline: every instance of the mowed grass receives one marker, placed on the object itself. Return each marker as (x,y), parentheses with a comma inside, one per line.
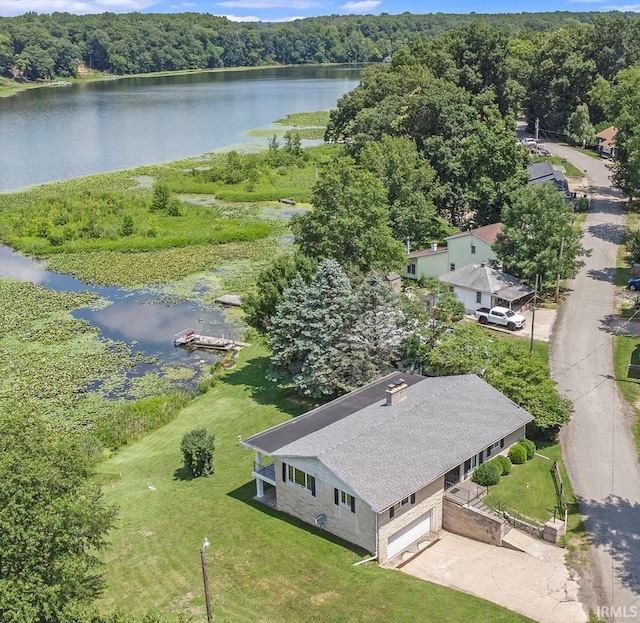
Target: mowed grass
(529,490)
(263,565)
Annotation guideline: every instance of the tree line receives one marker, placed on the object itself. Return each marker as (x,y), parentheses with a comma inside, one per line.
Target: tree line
(36,46)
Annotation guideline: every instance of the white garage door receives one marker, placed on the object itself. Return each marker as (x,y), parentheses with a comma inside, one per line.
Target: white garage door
(409,534)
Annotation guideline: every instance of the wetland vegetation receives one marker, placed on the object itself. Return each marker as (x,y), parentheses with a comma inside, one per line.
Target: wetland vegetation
(112,230)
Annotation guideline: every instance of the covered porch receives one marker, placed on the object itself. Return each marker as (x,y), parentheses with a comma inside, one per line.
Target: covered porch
(264,471)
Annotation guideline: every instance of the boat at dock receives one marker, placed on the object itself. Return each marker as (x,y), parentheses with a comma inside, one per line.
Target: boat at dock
(192,340)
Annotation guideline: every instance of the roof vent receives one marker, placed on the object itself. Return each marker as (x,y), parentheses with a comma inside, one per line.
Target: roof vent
(434,246)
(396,392)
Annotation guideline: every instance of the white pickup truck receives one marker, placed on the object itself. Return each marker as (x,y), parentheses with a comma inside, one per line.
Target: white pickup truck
(502,316)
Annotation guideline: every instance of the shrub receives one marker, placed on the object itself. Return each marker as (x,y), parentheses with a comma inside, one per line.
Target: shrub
(487,474)
(197,449)
(518,454)
(503,463)
(529,446)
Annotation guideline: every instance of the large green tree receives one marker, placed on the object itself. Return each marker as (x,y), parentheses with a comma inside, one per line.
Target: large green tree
(260,304)
(53,523)
(412,189)
(349,221)
(579,129)
(538,237)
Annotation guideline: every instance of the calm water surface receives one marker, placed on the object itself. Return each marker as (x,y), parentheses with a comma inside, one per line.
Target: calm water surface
(52,134)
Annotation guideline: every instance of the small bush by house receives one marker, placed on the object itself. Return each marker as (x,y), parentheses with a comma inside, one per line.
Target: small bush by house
(197,450)
(504,464)
(487,474)
(518,454)
(529,446)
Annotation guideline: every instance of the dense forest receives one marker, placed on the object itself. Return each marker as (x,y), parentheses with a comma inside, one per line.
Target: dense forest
(44,46)
(544,63)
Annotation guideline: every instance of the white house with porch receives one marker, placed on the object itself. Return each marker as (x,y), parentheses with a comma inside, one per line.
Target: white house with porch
(372,466)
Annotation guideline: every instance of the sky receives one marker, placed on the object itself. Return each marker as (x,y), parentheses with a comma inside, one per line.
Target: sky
(287,10)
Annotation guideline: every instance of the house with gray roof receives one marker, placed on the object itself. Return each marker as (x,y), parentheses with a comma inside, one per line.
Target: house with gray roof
(544,172)
(372,466)
(479,285)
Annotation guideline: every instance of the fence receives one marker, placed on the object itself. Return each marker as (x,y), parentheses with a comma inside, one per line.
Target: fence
(560,492)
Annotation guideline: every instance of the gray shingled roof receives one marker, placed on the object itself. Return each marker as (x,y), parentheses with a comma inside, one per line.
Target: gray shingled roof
(485,279)
(385,453)
(541,172)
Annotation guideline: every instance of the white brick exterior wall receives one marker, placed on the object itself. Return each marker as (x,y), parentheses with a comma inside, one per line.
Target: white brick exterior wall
(426,498)
(358,528)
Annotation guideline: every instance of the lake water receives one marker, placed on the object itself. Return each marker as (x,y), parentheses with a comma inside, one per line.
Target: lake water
(51,134)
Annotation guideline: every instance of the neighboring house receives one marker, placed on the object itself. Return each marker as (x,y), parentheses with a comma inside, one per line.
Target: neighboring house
(394,281)
(607,142)
(461,249)
(543,172)
(371,467)
(478,285)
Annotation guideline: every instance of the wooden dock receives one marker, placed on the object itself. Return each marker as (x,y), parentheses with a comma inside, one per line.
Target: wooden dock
(191,340)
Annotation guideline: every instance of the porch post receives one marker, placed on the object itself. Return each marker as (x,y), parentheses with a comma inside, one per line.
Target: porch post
(257,468)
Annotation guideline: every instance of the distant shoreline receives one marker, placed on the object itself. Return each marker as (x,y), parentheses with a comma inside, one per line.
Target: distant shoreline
(10,88)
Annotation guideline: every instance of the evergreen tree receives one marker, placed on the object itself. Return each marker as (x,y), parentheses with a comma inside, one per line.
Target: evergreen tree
(373,344)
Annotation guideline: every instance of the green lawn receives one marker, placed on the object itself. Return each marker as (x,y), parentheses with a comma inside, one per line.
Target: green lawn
(263,565)
(529,491)
(626,349)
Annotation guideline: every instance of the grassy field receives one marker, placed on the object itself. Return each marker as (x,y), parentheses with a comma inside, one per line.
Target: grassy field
(263,565)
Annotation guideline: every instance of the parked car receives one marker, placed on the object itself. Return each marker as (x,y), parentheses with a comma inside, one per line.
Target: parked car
(502,316)
(543,152)
(634,283)
(529,141)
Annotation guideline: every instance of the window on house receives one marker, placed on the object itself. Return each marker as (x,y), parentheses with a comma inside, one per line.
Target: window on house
(494,447)
(302,479)
(342,498)
(473,248)
(411,269)
(452,266)
(402,504)
(451,289)
(478,297)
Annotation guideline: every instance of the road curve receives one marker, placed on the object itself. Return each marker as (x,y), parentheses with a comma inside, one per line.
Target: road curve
(597,444)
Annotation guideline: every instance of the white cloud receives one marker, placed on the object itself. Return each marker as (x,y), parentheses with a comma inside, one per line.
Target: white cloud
(361,6)
(269,4)
(253,18)
(241,18)
(624,8)
(79,7)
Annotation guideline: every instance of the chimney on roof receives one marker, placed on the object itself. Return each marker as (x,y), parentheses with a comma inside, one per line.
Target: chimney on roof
(396,392)
(483,264)
(434,245)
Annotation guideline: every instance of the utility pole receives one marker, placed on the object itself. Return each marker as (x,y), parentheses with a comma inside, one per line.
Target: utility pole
(537,128)
(559,269)
(205,578)
(533,315)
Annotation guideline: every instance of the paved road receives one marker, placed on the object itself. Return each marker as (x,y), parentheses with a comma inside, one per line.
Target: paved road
(597,443)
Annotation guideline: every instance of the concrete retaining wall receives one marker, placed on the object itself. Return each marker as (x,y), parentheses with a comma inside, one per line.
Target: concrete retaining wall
(472,523)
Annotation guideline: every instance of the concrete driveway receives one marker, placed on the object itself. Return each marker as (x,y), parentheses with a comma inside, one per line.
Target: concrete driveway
(538,586)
